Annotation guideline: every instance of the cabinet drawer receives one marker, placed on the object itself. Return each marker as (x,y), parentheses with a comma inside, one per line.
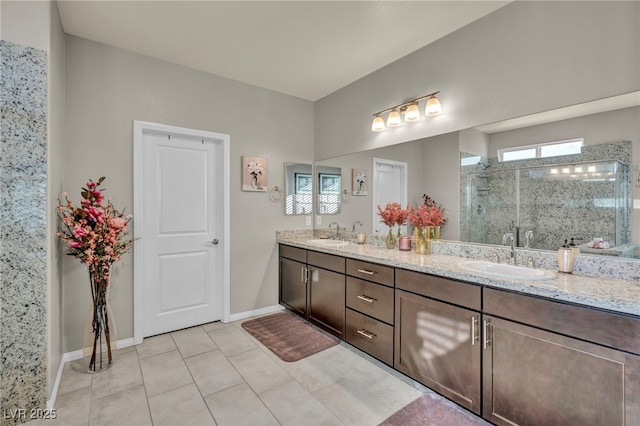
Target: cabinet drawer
(326,261)
(370,271)
(293,253)
(372,299)
(458,293)
(606,328)
(372,336)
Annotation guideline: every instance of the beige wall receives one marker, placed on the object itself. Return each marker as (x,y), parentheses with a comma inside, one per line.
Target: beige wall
(26,23)
(108,88)
(55,167)
(526,57)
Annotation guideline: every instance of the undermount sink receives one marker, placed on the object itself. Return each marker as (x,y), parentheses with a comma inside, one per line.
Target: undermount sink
(328,243)
(511,272)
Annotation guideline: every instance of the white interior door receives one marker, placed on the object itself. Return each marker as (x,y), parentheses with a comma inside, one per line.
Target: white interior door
(389,186)
(181,260)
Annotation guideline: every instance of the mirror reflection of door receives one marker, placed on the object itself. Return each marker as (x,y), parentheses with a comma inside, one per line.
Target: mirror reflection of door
(389,186)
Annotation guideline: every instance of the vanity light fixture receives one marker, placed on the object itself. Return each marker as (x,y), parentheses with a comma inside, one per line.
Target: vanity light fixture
(410,109)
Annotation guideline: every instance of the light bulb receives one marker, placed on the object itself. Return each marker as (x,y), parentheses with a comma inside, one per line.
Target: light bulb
(433,106)
(412,113)
(378,124)
(394,120)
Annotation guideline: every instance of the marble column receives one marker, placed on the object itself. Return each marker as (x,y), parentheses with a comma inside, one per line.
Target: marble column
(23,231)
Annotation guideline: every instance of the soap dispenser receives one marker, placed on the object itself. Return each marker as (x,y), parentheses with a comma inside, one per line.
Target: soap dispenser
(574,247)
(566,258)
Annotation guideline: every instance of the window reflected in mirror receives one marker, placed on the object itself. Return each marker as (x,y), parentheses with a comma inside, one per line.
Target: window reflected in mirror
(329,190)
(298,189)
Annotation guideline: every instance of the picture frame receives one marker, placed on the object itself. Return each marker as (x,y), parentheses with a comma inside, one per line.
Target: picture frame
(359,182)
(255,173)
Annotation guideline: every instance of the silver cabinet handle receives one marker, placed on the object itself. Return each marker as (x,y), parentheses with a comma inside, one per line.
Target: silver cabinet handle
(367,298)
(302,268)
(366,334)
(474,337)
(364,271)
(485,325)
(215,241)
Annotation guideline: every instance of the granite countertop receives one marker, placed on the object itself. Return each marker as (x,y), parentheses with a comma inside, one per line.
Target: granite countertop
(612,294)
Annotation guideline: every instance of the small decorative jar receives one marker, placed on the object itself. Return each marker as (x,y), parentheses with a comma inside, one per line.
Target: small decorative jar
(404,243)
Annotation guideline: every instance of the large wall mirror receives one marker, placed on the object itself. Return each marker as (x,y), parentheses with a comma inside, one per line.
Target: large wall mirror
(434,169)
(298,189)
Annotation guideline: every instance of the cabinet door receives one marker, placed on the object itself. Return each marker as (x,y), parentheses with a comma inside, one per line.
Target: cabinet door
(534,377)
(293,286)
(326,300)
(438,345)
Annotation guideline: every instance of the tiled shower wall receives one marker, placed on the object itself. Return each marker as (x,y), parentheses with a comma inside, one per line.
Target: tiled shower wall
(23,237)
(554,209)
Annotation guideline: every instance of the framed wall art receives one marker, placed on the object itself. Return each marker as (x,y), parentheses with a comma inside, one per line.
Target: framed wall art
(359,183)
(254,174)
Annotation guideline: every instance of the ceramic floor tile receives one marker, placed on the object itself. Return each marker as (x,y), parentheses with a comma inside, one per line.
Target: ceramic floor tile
(183,406)
(156,345)
(124,374)
(259,371)
(293,405)
(72,380)
(71,409)
(213,326)
(164,372)
(353,404)
(321,369)
(193,341)
(212,372)
(232,340)
(239,405)
(124,408)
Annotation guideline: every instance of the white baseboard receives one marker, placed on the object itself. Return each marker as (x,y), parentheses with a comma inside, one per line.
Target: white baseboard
(72,356)
(253,313)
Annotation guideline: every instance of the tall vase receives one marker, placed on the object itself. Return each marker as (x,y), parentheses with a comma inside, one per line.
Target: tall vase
(422,239)
(99,338)
(391,239)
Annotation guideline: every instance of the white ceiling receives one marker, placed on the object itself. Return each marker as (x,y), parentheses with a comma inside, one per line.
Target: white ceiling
(306,49)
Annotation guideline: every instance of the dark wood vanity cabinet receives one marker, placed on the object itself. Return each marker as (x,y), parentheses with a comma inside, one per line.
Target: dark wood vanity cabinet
(436,342)
(312,285)
(369,301)
(293,279)
(326,292)
(534,376)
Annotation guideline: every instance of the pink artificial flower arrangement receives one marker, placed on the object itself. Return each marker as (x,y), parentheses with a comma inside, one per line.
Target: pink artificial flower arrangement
(95,232)
(393,214)
(428,214)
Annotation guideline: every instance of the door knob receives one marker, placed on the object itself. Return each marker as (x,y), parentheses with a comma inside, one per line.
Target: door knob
(215,241)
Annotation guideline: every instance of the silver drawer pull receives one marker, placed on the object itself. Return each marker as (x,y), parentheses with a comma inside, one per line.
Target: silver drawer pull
(366,334)
(367,298)
(364,271)
(474,321)
(486,325)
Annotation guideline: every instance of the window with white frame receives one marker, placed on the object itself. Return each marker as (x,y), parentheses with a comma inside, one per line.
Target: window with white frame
(543,150)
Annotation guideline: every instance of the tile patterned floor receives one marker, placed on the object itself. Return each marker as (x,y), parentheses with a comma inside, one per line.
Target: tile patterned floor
(218,374)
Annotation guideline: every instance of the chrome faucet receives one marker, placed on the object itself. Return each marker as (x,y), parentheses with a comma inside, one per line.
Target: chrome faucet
(508,237)
(354,225)
(528,237)
(337,227)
